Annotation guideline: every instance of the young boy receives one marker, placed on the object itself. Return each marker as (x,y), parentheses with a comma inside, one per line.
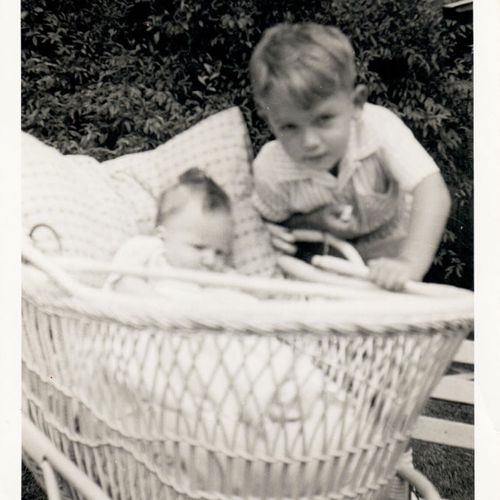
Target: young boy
(194,230)
(339,164)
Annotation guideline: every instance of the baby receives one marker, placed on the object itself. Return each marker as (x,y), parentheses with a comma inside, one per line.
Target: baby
(194,230)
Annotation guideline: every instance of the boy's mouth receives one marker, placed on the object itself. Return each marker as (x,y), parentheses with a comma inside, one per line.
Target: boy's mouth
(314,158)
(320,161)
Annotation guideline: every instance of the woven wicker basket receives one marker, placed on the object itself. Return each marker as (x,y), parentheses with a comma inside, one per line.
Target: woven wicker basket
(296,390)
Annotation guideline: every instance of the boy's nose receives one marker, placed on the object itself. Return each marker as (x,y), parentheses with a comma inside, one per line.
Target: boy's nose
(310,139)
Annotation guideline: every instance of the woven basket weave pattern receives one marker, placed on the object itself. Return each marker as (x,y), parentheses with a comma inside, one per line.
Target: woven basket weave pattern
(146,420)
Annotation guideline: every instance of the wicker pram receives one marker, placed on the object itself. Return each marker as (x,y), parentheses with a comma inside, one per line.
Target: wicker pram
(156,399)
(283,389)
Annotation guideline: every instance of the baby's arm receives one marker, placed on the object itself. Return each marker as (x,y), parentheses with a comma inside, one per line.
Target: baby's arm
(429,213)
(133,254)
(131,284)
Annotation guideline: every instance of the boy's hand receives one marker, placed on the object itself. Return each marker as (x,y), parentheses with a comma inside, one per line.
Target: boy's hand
(335,218)
(282,238)
(338,221)
(391,274)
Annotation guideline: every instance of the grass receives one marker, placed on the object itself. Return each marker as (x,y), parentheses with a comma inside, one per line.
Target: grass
(450,469)
(30,489)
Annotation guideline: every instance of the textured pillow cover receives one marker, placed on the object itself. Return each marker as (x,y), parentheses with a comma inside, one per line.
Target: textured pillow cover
(70,205)
(94,207)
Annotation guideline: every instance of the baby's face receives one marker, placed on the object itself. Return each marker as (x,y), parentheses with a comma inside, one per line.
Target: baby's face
(198,239)
(316,137)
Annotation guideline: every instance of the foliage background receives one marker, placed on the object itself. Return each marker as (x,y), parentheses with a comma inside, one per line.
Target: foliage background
(119,76)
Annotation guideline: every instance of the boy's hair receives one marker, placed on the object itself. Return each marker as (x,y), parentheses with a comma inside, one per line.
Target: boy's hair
(196,182)
(307,62)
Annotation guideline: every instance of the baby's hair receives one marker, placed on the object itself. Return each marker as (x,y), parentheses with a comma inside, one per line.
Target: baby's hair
(197,183)
(306,62)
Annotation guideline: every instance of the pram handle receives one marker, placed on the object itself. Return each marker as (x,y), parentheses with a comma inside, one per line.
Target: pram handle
(346,268)
(353,265)
(345,248)
(56,268)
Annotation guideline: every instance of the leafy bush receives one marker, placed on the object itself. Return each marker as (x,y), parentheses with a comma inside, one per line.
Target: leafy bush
(112,77)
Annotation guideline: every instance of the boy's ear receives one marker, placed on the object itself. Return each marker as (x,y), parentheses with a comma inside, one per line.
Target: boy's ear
(359,97)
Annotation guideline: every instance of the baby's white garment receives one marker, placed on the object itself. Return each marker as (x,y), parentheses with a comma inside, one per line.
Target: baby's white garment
(138,252)
(235,395)
(148,252)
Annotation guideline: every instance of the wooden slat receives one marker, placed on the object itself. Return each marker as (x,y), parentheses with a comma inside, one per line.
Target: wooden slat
(451,388)
(465,353)
(439,431)
(462,375)
(460,5)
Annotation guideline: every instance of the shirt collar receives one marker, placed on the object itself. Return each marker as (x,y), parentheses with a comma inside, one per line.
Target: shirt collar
(366,138)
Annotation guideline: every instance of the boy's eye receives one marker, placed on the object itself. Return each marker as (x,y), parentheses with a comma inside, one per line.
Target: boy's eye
(287,127)
(325,119)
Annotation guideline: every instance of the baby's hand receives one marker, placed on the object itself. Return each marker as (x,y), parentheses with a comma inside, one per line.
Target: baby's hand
(282,238)
(391,274)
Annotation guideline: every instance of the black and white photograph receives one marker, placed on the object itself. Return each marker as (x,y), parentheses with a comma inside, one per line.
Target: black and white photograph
(248,259)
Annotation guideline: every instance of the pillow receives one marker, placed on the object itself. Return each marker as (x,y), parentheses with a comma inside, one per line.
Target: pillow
(70,204)
(94,207)
(220,146)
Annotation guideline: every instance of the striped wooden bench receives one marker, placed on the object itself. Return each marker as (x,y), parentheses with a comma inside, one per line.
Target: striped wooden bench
(457,388)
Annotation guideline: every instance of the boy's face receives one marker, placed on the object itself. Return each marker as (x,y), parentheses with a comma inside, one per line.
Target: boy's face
(198,239)
(316,137)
